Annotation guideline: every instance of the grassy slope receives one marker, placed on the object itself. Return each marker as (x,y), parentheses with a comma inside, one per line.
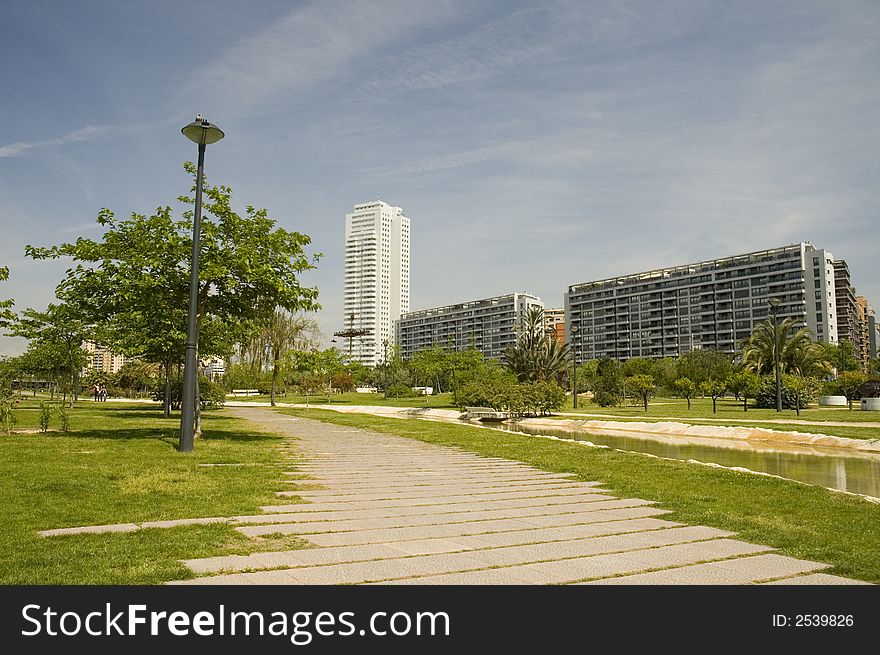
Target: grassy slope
(802,521)
(120,464)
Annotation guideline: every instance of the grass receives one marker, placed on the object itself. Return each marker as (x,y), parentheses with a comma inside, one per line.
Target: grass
(120,464)
(801,521)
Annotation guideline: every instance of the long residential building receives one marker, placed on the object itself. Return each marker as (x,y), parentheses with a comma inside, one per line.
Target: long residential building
(712,304)
(490,325)
(376,276)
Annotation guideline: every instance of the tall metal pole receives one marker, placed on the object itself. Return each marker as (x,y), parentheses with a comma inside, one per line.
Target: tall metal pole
(574,368)
(187,415)
(774,308)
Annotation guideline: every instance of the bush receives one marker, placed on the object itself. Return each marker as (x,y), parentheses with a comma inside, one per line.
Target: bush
(401,391)
(211,395)
(791,385)
(518,399)
(45,415)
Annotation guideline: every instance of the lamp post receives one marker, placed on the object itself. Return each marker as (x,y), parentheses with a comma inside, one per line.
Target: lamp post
(574,368)
(201,132)
(774,307)
(385,366)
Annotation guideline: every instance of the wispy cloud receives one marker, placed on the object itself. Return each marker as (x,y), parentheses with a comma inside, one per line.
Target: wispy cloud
(83,134)
(312,43)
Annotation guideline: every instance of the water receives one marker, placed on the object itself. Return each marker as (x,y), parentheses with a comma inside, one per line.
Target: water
(826,467)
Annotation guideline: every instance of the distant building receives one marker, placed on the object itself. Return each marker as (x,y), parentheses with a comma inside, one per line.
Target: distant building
(712,304)
(872,335)
(490,325)
(554,323)
(101,359)
(376,276)
(214,367)
(847,308)
(863,345)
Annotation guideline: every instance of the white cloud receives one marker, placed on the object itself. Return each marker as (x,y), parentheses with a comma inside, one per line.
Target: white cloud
(83,134)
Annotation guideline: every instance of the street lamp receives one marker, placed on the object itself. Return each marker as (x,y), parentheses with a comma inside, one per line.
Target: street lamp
(201,132)
(574,367)
(774,307)
(385,366)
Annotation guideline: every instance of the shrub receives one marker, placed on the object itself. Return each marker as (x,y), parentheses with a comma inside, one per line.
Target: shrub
(791,385)
(65,418)
(211,395)
(401,391)
(45,415)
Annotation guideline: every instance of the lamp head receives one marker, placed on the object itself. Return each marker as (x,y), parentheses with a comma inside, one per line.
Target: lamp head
(774,304)
(202,132)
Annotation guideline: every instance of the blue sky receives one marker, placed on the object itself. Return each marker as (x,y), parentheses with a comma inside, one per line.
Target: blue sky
(533,145)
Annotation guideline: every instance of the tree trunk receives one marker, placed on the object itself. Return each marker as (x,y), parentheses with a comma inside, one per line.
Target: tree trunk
(274,382)
(198,412)
(689,403)
(797,403)
(745,404)
(713,404)
(645,398)
(166,404)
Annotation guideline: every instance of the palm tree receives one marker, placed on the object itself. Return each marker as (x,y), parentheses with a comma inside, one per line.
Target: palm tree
(798,354)
(537,356)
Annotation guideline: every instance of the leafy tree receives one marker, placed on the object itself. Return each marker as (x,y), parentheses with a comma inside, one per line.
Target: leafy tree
(134,282)
(703,365)
(715,388)
(685,388)
(61,331)
(842,356)
(431,365)
(796,391)
(642,386)
(608,383)
(7,316)
(849,382)
(744,385)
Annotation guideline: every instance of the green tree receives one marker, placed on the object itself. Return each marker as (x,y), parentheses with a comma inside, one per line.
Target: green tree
(537,355)
(60,330)
(685,388)
(842,356)
(642,386)
(608,383)
(134,282)
(849,382)
(744,385)
(7,316)
(783,339)
(703,365)
(714,388)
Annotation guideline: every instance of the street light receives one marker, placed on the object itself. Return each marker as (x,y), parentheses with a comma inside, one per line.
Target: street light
(574,368)
(774,307)
(385,366)
(201,132)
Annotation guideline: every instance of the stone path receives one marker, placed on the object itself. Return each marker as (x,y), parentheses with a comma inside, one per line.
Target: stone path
(392,510)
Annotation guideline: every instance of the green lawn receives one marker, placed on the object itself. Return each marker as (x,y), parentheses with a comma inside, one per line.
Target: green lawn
(801,521)
(120,464)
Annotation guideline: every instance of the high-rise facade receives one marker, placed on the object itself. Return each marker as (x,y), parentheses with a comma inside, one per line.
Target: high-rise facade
(376,277)
(490,325)
(847,309)
(707,305)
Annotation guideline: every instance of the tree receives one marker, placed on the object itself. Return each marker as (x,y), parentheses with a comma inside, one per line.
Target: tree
(276,333)
(783,339)
(60,332)
(430,365)
(715,388)
(842,356)
(685,388)
(744,385)
(607,383)
(703,365)
(7,316)
(536,356)
(642,386)
(134,282)
(849,382)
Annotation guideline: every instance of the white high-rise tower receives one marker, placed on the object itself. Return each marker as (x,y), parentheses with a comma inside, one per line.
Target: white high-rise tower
(376,277)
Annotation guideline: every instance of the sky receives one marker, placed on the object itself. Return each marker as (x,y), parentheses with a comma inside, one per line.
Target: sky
(533,145)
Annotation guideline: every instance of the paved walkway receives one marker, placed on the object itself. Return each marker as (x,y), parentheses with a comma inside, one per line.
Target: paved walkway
(392,510)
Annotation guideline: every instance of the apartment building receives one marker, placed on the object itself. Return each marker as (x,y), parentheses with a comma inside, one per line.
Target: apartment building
(490,325)
(377,271)
(711,304)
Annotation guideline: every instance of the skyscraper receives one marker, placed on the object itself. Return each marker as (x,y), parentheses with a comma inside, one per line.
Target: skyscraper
(376,277)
